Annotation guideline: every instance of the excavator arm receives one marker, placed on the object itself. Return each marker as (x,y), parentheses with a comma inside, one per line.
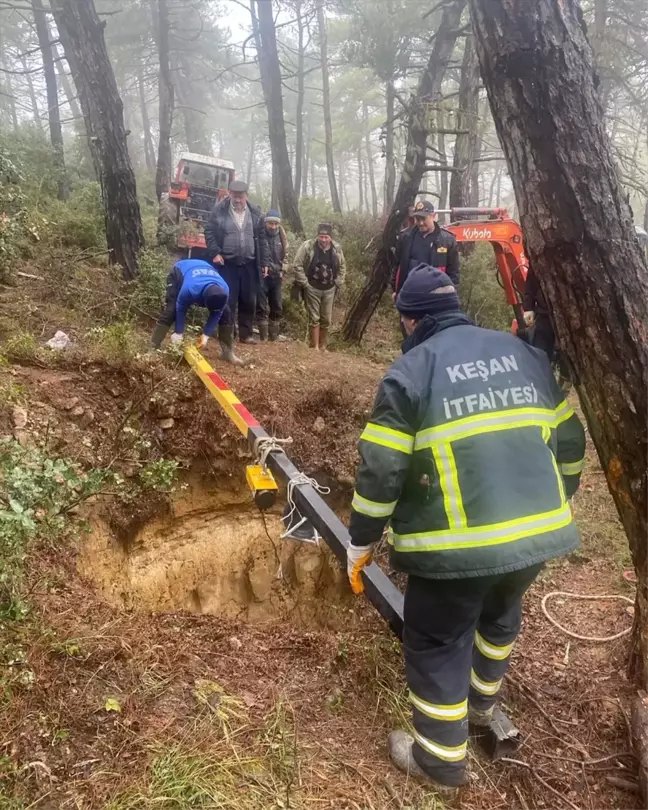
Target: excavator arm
(495,226)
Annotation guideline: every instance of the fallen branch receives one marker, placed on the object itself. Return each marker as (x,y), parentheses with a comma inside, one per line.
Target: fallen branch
(540,779)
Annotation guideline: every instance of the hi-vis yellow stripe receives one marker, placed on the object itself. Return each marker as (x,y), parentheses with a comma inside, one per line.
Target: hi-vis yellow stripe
(387,437)
(438,711)
(372,508)
(449,481)
(563,412)
(482,536)
(447,753)
(492,650)
(489,688)
(572,468)
(485,423)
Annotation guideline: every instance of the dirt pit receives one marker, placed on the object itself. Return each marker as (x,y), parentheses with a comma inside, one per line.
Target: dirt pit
(216,554)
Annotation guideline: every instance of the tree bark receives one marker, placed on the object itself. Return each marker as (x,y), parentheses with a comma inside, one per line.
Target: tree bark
(82,36)
(149,149)
(390,160)
(301,92)
(370,161)
(579,236)
(53,109)
(263,22)
(418,128)
(165,107)
(461,182)
(326,100)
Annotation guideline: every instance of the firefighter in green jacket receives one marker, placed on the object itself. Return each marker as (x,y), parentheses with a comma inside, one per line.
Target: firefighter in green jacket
(472,452)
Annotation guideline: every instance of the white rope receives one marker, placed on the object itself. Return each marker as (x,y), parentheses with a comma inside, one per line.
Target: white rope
(297,481)
(583,596)
(266,445)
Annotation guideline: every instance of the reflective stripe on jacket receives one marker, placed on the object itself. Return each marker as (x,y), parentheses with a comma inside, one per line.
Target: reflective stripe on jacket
(471,451)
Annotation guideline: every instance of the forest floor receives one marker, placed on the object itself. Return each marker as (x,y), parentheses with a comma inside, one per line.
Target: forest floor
(163,664)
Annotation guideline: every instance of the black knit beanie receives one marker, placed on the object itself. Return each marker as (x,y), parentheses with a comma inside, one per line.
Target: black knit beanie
(418,298)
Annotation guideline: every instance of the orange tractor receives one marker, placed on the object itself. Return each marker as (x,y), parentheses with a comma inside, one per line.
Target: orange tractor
(494,225)
(200,182)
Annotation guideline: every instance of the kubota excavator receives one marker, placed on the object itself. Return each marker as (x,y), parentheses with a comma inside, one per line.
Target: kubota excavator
(494,225)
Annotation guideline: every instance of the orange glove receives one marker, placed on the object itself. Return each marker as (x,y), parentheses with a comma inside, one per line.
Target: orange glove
(357,558)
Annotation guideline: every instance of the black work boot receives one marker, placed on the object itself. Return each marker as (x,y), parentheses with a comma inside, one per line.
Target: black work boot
(263,330)
(273,330)
(159,333)
(399,746)
(226,338)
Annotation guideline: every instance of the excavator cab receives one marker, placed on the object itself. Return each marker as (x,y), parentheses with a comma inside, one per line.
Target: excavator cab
(494,225)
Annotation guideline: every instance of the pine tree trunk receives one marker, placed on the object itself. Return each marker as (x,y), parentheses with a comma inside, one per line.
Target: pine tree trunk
(418,128)
(81,33)
(360,179)
(271,85)
(149,149)
(301,92)
(53,109)
(250,161)
(579,236)
(370,161)
(306,162)
(7,87)
(165,84)
(32,94)
(326,101)
(466,142)
(443,160)
(390,160)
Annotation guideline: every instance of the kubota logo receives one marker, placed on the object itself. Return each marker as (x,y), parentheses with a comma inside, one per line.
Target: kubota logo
(476,233)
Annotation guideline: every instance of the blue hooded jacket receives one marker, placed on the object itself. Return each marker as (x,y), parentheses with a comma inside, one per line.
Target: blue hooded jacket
(198,275)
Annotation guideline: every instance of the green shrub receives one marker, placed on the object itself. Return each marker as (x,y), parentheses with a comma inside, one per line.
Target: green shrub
(79,222)
(21,347)
(117,344)
(150,285)
(36,493)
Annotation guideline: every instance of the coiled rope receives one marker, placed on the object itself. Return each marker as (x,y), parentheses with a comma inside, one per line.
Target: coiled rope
(571,633)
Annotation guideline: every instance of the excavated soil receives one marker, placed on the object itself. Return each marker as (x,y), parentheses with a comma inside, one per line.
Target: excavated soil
(214,552)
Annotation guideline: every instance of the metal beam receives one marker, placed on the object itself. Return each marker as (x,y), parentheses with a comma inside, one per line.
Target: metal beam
(379,589)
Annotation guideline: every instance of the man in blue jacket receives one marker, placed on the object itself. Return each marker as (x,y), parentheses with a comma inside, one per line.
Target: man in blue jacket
(472,453)
(194,281)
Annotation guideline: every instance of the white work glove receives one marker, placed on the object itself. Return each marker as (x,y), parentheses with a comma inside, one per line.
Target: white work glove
(176,339)
(529,318)
(202,341)
(357,558)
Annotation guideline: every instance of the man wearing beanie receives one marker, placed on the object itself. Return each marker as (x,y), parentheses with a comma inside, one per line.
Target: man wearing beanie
(471,453)
(320,270)
(193,281)
(269,303)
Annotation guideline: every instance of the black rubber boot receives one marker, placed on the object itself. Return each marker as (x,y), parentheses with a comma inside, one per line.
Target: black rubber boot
(273,330)
(263,330)
(159,333)
(226,338)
